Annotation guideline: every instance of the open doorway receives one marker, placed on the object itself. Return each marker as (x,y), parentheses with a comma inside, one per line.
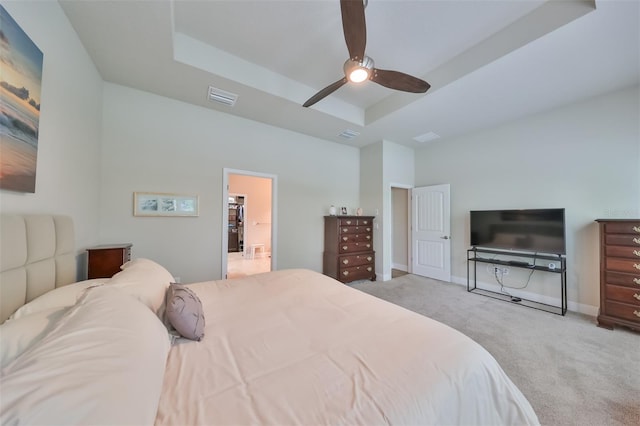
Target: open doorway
(400,244)
(248,223)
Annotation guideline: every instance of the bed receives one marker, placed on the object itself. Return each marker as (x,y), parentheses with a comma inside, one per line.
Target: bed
(281,348)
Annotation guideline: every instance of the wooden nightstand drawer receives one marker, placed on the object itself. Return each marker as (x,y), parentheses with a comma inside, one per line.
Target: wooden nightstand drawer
(105,261)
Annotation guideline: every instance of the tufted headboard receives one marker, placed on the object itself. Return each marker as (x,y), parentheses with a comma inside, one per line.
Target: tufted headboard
(36,255)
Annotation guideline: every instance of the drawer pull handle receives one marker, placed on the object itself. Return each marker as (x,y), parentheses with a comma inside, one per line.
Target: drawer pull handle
(636,313)
(345,238)
(637,266)
(368,229)
(344,229)
(369,269)
(636,252)
(636,240)
(369,246)
(637,296)
(345,261)
(345,247)
(369,259)
(636,228)
(345,273)
(636,280)
(348,222)
(368,237)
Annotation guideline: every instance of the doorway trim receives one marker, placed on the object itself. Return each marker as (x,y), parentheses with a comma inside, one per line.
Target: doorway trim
(225,207)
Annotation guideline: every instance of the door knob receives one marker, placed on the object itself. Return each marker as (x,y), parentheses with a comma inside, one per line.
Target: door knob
(446,237)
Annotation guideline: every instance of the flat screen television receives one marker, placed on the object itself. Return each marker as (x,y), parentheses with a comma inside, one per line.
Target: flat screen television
(533,230)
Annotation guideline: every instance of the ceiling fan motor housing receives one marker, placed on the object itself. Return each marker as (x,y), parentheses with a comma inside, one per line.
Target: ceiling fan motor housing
(351,67)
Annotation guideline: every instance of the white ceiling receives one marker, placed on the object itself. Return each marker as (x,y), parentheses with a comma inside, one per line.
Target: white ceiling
(488,62)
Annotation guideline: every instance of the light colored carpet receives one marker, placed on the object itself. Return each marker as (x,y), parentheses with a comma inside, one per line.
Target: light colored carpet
(572,372)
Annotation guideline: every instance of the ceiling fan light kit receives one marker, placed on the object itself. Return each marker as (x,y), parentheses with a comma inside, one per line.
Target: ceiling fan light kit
(359,67)
(357,72)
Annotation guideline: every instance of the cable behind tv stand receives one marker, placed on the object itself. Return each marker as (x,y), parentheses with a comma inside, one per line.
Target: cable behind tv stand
(480,255)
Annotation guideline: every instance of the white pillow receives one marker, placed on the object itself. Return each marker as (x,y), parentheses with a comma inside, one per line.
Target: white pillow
(17,335)
(56,298)
(145,280)
(102,364)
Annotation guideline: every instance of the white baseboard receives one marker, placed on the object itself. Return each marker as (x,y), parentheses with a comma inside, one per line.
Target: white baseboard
(403,268)
(555,301)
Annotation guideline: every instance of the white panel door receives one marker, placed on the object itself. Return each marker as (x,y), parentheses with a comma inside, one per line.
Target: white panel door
(430,232)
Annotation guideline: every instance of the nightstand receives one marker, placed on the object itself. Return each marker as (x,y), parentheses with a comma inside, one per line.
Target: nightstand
(104,261)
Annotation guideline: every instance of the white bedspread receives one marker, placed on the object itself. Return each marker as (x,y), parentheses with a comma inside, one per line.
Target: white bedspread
(296,347)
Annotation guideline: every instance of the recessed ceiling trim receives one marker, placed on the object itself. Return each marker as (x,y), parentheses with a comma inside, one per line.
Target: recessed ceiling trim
(195,53)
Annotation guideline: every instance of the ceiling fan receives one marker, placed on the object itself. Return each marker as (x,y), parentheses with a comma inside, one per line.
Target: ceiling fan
(360,67)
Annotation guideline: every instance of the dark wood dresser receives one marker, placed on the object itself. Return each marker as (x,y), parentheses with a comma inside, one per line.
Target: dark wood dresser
(348,248)
(619,273)
(104,261)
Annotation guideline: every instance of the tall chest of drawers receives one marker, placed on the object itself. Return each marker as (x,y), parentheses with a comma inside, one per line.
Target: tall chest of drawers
(348,248)
(619,273)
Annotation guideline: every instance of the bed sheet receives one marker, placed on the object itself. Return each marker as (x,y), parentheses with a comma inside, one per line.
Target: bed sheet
(297,347)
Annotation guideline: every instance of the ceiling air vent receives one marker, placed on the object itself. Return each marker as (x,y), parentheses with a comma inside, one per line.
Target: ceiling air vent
(349,134)
(430,136)
(222,97)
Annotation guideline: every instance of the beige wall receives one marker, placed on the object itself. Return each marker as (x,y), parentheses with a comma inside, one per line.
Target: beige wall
(162,145)
(584,157)
(68,167)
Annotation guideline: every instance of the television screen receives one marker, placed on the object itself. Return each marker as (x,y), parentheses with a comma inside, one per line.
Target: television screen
(535,230)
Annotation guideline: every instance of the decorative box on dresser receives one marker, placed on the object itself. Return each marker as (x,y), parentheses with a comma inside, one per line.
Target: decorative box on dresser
(348,248)
(104,261)
(619,273)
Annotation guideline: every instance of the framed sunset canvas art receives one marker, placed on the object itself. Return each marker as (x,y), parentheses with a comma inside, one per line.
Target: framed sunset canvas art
(20,83)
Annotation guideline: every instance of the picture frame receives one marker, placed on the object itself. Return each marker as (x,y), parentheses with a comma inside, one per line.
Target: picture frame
(150,204)
(343,210)
(20,91)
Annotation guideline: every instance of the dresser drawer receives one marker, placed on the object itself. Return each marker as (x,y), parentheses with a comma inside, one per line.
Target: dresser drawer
(355,230)
(357,272)
(626,295)
(354,247)
(622,240)
(622,265)
(622,310)
(623,251)
(621,278)
(356,222)
(354,238)
(622,228)
(355,260)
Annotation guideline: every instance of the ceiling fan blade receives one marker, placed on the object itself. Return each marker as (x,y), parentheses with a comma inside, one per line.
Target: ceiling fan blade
(399,81)
(325,92)
(354,27)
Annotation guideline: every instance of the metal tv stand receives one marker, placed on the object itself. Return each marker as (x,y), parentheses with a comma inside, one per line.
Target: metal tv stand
(479,255)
